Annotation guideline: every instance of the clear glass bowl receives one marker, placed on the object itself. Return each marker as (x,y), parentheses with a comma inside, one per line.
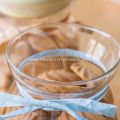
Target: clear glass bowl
(62,61)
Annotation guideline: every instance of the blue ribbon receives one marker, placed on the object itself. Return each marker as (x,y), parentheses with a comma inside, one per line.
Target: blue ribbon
(72,106)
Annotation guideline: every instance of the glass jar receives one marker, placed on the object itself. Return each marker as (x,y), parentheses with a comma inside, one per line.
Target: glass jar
(63,61)
(17,16)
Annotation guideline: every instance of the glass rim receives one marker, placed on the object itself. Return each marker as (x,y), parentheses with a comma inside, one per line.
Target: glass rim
(58,82)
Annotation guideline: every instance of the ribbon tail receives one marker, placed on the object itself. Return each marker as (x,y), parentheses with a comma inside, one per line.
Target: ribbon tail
(100,108)
(8,100)
(91,106)
(103,109)
(19,112)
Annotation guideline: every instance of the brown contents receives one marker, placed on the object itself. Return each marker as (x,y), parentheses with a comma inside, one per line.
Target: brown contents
(84,73)
(62,76)
(59,75)
(65,76)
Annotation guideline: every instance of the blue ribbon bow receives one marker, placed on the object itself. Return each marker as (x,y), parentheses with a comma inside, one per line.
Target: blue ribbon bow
(72,106)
